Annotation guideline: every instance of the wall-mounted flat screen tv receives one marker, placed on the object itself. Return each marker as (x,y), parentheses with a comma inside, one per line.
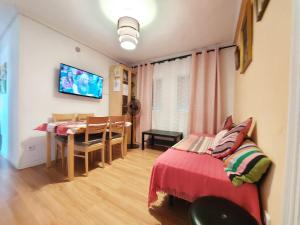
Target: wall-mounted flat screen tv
(79,82)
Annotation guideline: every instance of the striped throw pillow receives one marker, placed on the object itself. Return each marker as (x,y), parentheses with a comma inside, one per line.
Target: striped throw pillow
(218,138)
(231,140)
(227,124)
(247,164)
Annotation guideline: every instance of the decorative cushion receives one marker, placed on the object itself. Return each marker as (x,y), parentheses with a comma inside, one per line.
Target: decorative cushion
(218,138)
(231,140)
(247,164)
(227,124)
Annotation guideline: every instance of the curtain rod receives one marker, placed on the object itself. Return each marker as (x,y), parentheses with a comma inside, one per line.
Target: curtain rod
(184,56)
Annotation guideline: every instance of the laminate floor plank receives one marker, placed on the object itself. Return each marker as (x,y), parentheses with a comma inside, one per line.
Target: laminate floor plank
(114,195)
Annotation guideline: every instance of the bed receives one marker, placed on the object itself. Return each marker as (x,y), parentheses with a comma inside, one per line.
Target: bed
(189,176)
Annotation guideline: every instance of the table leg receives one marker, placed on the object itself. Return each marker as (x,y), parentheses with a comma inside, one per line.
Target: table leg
(48,140)
(152,140)
(125,143)
(70,156)
(143,140)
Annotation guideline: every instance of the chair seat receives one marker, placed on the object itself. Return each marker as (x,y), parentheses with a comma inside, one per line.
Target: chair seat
(60,138)
(113,135)
(93,139)
(64,139)
(215,211)
(79,139)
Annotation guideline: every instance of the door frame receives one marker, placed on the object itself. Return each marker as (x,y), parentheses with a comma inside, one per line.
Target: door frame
(291,204)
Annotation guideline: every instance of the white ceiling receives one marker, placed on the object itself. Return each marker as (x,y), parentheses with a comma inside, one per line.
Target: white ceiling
(178,26)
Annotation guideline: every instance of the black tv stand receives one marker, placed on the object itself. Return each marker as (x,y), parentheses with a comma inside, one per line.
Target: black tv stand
(176,136)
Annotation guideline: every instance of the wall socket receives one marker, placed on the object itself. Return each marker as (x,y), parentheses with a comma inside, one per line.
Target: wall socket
(267,218)
(31,156)
(31,148)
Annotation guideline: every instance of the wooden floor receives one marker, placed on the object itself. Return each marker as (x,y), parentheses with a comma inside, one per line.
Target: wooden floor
(115,195)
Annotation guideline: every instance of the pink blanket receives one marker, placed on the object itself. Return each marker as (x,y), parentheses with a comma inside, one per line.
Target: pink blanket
(190,176)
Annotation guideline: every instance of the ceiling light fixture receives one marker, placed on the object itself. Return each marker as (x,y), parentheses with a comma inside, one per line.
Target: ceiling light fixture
(129,32)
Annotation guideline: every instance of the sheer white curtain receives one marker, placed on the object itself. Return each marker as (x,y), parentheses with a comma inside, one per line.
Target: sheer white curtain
(171,92)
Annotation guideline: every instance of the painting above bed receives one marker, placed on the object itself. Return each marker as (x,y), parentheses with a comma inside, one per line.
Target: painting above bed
(260,6)
(246,38)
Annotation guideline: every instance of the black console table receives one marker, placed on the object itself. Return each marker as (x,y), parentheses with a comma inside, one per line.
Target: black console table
(176,136)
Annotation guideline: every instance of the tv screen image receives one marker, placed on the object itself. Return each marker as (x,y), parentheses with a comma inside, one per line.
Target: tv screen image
(79,82)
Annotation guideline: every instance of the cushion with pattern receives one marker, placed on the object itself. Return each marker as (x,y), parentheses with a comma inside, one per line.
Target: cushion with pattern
(231,140)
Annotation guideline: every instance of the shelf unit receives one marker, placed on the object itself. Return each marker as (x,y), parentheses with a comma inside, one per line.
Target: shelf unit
(119,90)
(122,87)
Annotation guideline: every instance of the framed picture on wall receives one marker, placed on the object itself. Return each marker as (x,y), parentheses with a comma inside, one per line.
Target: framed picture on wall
(246,37)
(237,57)
(260,6)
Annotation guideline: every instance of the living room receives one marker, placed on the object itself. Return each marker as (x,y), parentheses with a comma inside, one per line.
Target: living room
(168,73)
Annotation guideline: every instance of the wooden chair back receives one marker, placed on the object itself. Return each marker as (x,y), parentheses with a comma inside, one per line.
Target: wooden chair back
(56,117)
(84,116)
(116,125)
(96,125)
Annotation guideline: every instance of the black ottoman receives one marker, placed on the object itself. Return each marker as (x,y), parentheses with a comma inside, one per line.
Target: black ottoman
(218,211)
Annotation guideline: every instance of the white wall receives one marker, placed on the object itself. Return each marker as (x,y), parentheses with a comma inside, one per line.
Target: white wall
(9,53)
(41,52)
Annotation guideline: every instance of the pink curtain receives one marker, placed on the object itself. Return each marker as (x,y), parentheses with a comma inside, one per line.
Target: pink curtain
(205,105)
(144,94)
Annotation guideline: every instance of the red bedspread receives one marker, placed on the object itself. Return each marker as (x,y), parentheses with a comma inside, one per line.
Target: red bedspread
(189,176)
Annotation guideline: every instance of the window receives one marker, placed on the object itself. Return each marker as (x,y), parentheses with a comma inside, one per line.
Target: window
(183,93)
(171,81)
(156,94)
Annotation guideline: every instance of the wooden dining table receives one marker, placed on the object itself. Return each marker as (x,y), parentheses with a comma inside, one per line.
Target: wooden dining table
(68,129)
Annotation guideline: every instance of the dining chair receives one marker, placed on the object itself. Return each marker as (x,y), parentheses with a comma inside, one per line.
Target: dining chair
(61,141)
(116,135)
(83,116)
(92,140)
